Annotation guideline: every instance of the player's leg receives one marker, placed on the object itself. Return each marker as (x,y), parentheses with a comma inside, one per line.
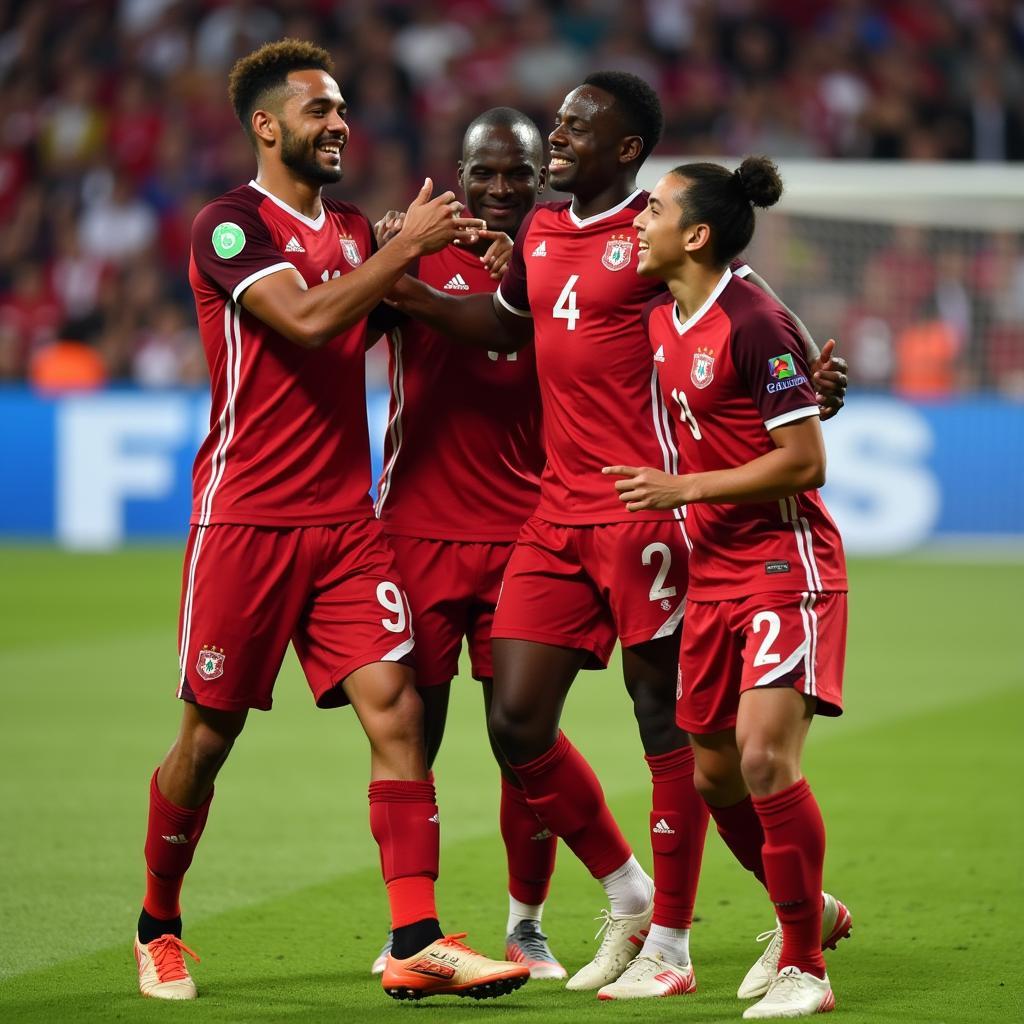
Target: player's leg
(644,568)
(353,644)
(219,682)
(793,668)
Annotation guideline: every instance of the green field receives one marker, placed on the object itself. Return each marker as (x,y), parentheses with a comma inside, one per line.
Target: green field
(919,783)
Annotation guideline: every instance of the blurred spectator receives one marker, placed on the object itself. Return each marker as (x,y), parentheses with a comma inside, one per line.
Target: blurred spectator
(115,129)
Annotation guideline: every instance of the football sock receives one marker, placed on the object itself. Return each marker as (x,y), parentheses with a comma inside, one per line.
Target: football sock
(740,827)
(679,824)
(530,848)
(522,912)
(672,943)
(409,939)
(151,928)
(564,793)
(794,855)
(629,888)
(172,833)
(404,822)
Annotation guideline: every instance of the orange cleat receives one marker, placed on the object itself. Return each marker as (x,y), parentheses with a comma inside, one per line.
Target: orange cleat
(449,968)
(162,970)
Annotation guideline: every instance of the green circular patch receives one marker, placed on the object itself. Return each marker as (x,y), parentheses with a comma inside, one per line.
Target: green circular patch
(228,240)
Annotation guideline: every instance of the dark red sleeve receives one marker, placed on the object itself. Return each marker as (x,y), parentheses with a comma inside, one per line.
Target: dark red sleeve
(645,314)
(512,293)
(232,246)
(769,357)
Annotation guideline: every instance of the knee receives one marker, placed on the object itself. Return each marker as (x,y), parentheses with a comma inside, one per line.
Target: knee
(654,707)
(766,768)
(209,748)
(519,735)
(402,710)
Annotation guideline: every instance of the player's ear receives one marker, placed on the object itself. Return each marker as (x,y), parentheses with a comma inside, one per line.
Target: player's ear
(542,179)
(264,126)
(461,168)
(696,237)
(631,148)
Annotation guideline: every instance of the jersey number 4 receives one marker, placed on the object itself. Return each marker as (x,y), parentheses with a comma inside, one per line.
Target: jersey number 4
(565,305)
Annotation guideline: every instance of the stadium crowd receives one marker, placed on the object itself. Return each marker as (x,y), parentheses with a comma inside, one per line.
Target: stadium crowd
(113,134)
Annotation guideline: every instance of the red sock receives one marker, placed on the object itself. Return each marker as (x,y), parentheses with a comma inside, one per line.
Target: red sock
(529,846)
(794,856)
(564,793)
(740,827)
(679,823)
(404,821)
(171,837)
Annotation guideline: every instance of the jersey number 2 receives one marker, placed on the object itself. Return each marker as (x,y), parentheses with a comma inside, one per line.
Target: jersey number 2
(764,656)
(658,589)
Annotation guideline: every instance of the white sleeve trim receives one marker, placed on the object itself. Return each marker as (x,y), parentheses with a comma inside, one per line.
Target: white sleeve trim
(791,417)
(253,278)
(743,271)
(512,309)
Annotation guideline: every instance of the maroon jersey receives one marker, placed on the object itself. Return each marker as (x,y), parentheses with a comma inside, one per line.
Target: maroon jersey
(288,443)
(463,450)
(733,372)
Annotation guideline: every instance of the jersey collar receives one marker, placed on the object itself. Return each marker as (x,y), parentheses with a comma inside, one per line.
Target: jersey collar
(682,328)
(316,225)
(587,221)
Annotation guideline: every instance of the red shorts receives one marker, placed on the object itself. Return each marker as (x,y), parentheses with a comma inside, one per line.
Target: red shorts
(453,587)
(247,590)
(581,586)
(780,639)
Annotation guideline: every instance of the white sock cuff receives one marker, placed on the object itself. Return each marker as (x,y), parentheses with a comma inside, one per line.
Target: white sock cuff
(522,912)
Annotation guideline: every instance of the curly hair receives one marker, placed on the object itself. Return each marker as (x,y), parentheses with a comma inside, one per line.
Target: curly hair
(638,106)
(267,69)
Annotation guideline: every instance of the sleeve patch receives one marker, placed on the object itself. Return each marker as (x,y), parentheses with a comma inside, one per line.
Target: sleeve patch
(228,240)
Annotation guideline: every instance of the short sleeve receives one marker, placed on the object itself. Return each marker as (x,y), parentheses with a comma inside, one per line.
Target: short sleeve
(232,247)
(740,267)
(512,292)
(769,358)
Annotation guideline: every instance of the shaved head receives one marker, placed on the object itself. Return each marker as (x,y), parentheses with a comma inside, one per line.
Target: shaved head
(522,127)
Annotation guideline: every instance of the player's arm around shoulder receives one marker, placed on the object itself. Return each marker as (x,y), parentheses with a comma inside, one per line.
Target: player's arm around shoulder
(311,317)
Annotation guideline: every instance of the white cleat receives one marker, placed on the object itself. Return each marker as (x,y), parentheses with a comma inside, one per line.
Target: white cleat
(793,993)
(162,970)
(623,939)
(649,977)
(382,957)
(836,924)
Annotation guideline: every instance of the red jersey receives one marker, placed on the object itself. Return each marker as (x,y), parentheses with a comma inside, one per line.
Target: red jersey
(599,389)
(733,372)
(288,442)
(463,450)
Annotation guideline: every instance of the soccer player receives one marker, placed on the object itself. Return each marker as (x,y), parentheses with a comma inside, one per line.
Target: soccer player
(584,570)
(462,462)
(765,631)
(283,543)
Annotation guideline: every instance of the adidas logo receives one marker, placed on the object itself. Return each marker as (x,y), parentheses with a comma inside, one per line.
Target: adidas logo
(659,356)
(457,284)
(177,840)
(435,818)
(293,245)
(662,828)
(544,833)
(541,249)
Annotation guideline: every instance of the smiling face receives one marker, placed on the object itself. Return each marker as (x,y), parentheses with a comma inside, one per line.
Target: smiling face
(661,238)
(501,174)
(312,126)
(590,145)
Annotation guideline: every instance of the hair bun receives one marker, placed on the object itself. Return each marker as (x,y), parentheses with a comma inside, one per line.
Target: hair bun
(759,179)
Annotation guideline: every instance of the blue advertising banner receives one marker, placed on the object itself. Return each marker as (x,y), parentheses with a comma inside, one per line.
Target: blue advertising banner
(94,471)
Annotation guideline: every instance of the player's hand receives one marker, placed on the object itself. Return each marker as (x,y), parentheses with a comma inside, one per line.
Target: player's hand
(642,489)
(431,224)
(498,255)
(388,226)
(829,374)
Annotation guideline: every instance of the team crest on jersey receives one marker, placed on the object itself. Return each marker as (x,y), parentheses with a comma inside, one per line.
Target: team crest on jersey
(617,252)
(211,662)
(350,250)
(702,373)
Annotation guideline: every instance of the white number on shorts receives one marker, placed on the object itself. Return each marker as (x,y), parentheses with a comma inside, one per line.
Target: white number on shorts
(390,598)
(658,588)
(771,619)
(687,415)
(565,305)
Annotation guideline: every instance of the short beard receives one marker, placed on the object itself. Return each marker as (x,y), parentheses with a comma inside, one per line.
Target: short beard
(299,156)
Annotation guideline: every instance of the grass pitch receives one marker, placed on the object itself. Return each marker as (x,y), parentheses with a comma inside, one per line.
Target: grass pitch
(919,784)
